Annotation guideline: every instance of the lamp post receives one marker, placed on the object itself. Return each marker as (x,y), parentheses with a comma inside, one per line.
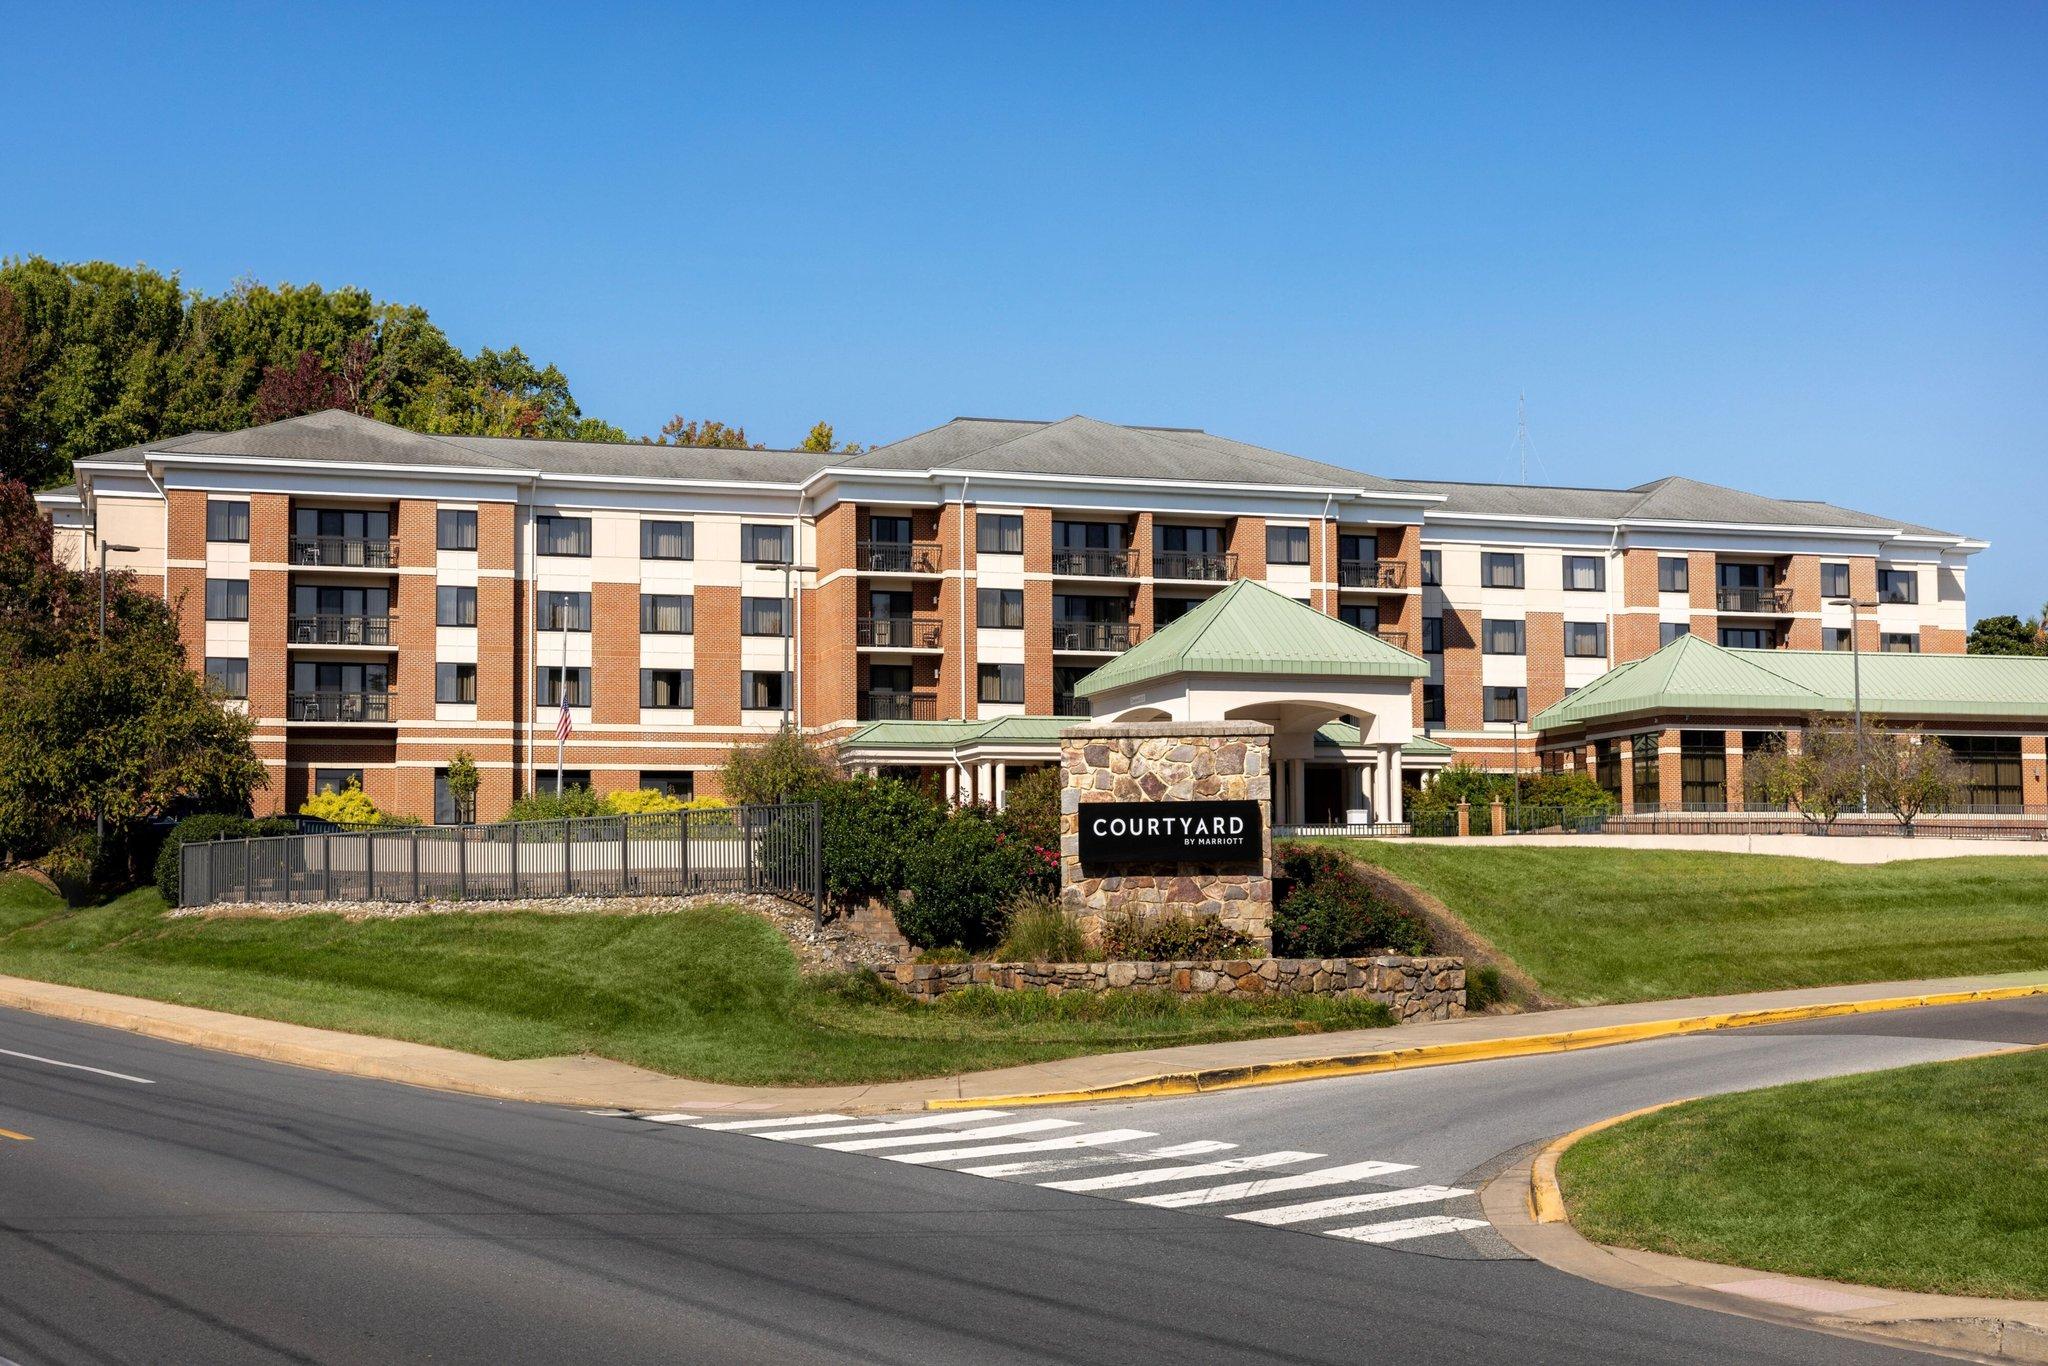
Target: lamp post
(100,816)
(1855,606)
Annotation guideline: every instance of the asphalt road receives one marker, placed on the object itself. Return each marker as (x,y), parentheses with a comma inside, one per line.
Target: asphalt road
(205,1208)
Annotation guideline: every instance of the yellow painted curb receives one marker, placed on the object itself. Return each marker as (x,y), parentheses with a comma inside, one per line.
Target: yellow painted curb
(1477,1050)
(1546,1200)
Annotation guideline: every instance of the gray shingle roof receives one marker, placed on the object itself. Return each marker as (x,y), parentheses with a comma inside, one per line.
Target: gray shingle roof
(634,460)
(1670,499)
(338,436)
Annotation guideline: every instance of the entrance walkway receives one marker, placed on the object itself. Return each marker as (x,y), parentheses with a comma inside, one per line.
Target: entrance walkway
(1843,849)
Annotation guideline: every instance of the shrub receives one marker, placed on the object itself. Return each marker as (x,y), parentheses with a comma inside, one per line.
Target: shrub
(1484,987)
(463,782)
(783,768)
(1031,815)
(951,953)
(870,827)
(1167,938)
(1326,909)
(570,803)
(644,801)
(961,880)
(73,864)
(1041,931)
(349,805)
(1575,795)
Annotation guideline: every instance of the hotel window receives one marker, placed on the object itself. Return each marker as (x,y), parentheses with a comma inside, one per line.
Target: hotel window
(447,811)
(1643,756)
(561,535)
(999,609)
(765,544)
(1834,580)
(1668,631)
(1585,639)
(336,779)
(227,599)
(1585,574)
(227,677)
(999,533)
(550,683)
(1901,643)
(667,541)
(544,779)
(763,690)
(455,529)
(1087,536)
(667,688)
(455,683)
(1503,637)
(670,783)
(1363,615)
(1507,704)
(1898,585)
(1500,569)
(1836,638)
(667,614)
(764,616)
(227,520)
(1432,568)
(1674,574)
(1165,610)
(560,611)
(1001,682)
(1432,704)
(1748,638)
(1286,545)
(454,605)
(1607,766)
(1432,635)
(1991,770)
(1703,770)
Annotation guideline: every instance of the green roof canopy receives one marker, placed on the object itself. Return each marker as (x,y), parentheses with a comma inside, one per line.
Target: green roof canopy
(1694,675)
(1250,629)
(953,734)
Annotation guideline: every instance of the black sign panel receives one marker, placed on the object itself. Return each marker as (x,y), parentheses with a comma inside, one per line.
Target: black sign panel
(1170,832)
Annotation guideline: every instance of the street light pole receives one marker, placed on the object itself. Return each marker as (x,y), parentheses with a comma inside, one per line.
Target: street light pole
(790,568)
(1855,605)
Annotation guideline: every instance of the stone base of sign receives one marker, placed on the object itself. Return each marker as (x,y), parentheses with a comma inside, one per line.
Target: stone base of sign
(1166,762)
(1413,988)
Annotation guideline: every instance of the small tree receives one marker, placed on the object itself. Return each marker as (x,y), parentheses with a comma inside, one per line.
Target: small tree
(784,768)
(1821,781)
(348,805)
(1911,775)
(463,781)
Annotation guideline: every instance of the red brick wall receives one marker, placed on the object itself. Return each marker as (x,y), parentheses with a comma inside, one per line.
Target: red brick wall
(615,654)
(1863,588)
(718,655)
(414,603)
(1245,538)
(956,612)
(1464,693)
(1543,637)
(1802,576)
(832,673)
(1037,612)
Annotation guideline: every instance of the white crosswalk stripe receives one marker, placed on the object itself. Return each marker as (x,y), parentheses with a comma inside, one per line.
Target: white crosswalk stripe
(1043,1145)
(1107,1163)
(1350,1204)
(1400,1230)
(1042,1166)
(1024,1126)
(1273,1185)
(1156,1175)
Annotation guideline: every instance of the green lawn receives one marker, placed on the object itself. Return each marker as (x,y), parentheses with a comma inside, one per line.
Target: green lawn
(1595,925)
(1927,1178)
(710,993)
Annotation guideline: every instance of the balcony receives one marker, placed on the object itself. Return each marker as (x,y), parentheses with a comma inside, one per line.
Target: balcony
(1397,639)
(897,557)
(345,552)
(334,628)
(900,633)
(1372,573)
(1196,566)
(341,708)
(1093,637)
(1095,563)
(899,706)
(1070,706)
(1766,601)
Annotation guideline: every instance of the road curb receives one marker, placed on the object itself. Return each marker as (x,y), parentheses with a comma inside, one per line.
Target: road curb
(1479,1050)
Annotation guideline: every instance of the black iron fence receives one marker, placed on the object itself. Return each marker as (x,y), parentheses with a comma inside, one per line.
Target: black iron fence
(776,850)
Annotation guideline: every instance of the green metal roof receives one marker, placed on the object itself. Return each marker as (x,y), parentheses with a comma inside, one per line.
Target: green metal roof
(1343,735)
(1692,674)
(1250,629)
(953,734)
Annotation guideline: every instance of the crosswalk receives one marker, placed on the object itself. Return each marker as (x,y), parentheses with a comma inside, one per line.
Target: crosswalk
(1283,1188)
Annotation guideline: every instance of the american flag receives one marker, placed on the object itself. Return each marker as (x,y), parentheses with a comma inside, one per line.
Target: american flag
(562,723)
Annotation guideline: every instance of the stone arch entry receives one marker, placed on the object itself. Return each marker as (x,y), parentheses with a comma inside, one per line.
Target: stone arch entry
(1168,763)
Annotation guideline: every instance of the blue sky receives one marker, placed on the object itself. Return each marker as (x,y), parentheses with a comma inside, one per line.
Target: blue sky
(1795,248)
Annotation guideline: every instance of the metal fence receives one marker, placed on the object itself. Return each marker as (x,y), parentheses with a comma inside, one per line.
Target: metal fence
(775,850)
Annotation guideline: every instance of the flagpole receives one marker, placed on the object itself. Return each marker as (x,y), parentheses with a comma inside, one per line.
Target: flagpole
(561,695)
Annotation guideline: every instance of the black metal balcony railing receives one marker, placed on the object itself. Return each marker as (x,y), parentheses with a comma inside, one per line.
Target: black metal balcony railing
(346,707)
(1096,563)
(897,557)
(899,706)
(1070,705)
(345,552)
(1397,639)
(1752,599)
(1201,566)
(901,633)
(1372,573)
(1097,636)
(339,628)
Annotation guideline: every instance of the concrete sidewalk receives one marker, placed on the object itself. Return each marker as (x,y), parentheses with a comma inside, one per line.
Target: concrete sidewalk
(600,1082)
(1860,849)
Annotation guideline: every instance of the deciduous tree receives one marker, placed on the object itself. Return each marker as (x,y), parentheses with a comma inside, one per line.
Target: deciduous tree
(1820,781)
(1911,775)
(2007,635)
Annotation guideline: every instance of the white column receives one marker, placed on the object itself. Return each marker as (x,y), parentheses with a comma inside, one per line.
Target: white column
(1392,760)
(1297,800)
(985,783)
(952,784)
(1002,790)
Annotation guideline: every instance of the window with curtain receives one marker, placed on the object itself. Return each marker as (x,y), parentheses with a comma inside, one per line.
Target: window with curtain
(667,541)
(1836,638)
(1898,585)
(227,519)
(999,608)
(336,779)
(1507,704)
(1900,643)
(1500,569)
(1363,615)
(1992,778)
(227,677)
(1585,639)
(764,616)
(1503,638)
(1748,638)
(549,684)
(455,683)
(227,599)
(1668,631)
(1585,573)
(454,605)
(455,529)
(668,614)
(669,782)
(1834,580)
(666,688)
(1703,769)
(1674,574)
(561,535)
(564,611)
(765,544)
(762,690)
(1001,682)
(999,533)
(1286,545)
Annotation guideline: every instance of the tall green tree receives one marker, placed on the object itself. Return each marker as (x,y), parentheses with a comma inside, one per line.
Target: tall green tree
(2007,635)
